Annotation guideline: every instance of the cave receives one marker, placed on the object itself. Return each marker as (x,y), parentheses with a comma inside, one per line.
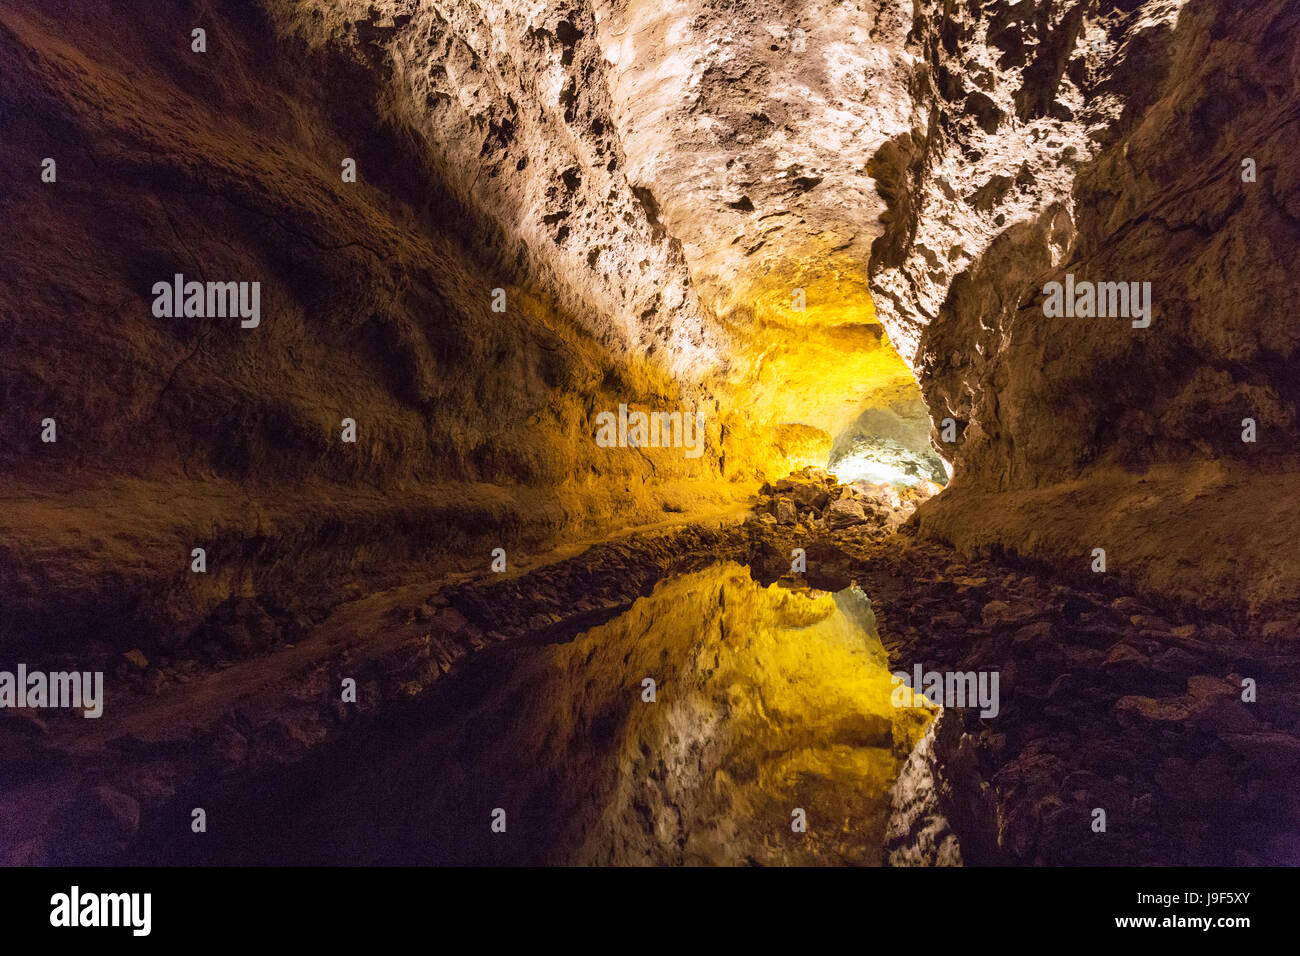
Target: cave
(605,432)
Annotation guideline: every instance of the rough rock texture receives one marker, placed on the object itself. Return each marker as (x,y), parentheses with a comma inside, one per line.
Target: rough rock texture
(509,146)
(1106,140)
(752,124)
(508,100)
(1166,718)
(591,772)
(1104,701)
(811,500)
(474,428)
(783,213)
(749,129)
(917,833)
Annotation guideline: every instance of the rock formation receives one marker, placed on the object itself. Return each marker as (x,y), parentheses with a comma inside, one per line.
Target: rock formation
(832,228)
(1113,142)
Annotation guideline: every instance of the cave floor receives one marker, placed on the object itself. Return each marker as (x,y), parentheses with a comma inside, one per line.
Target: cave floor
(1107,702)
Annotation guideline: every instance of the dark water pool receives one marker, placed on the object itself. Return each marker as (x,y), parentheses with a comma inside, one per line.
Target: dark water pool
(769,704)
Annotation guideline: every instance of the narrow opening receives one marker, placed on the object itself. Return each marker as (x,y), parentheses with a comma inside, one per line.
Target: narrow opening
(889,443)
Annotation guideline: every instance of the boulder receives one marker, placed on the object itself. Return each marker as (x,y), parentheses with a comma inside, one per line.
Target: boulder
(845,513)
(810,496)
(786,513)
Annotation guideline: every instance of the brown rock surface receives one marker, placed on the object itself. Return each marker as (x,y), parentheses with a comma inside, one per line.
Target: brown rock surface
(648,185)
(828,226)
(1106,141)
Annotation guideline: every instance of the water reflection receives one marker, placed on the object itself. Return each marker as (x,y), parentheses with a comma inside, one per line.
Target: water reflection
(766,699)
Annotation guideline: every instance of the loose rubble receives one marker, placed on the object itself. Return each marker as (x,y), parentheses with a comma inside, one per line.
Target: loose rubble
(812,500)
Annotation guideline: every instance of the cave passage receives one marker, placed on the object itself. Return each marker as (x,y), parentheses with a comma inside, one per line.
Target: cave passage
(763,733)
(889,441)
(331,330)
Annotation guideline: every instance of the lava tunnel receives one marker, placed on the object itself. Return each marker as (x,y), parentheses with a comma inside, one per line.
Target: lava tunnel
(674,433)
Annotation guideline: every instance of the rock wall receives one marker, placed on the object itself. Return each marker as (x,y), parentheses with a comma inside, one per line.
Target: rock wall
(484,161)
(649,186)
(510,104)
(749,128)
(1106,140)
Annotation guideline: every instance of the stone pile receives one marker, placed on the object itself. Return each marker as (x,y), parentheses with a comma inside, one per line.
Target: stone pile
(811,500)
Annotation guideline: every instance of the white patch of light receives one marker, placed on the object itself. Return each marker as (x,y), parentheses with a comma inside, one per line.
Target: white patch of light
(866,468)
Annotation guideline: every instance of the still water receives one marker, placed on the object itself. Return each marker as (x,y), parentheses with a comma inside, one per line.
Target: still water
(765,701)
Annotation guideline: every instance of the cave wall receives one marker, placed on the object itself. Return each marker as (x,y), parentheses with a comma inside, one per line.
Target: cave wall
(649,184)
(750,126)
(1106,140)
(510,101)
(474,428)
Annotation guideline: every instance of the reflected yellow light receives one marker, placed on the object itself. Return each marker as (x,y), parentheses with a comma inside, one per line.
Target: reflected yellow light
(765,700)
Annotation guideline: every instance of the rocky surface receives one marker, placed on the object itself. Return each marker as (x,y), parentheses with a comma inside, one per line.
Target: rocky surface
(788,215)
(1105,702)
(813,501)
(225,731)
(918,833)
(1105,140)
(750,127)
(648,185)
(474,428)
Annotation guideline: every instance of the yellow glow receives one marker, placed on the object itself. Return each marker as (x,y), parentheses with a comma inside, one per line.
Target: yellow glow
(767,699)
(815,369)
